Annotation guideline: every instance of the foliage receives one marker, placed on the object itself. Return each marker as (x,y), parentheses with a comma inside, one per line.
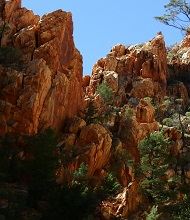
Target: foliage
(105,92)
(181,210)
(91,114)
(172,113)
(9,55)
(79,198)
(154,162)
(109,186)
(17,199)
(161,190)
(8,158)
(128,113)
(177,14)
(43,162)
(74,201)
(148,99)
(153,215)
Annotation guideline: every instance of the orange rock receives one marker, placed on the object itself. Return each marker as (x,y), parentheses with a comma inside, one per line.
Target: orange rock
(86,81)
(50,88)
(142,88)
(97,142)
(129,63)
(145,112)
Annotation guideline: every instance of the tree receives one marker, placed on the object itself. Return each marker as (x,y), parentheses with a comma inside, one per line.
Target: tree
(152,169)
(43,163)
(8,159)
(91,114)
(105,92)
(162,191)
(154,163)
(177,15)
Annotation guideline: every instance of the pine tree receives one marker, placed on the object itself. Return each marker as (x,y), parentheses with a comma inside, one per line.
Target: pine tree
(43,164)
(91,114)
(155,160)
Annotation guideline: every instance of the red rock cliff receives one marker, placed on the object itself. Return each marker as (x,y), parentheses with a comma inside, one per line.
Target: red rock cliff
(48,86)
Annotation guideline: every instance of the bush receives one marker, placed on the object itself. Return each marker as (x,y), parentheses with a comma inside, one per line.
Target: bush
(75,200)
(43,163)
(154,162)
(9,55)
(91,114)
(109,186)
(128,113)
(153,215)
(105,92)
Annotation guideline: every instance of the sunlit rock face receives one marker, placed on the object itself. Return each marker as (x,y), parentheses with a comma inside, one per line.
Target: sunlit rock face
(45,84)
(134,71)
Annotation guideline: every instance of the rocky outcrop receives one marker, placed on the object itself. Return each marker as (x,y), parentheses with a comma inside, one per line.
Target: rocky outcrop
(178,90)
(92,145)
(135,71)
(132,131)
(178,63)
(45,86)
(121,205)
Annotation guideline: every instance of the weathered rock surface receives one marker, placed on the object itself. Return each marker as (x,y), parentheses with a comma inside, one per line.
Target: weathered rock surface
(135,71)
(48,85)
(124,203)
(178,63)
(93,145)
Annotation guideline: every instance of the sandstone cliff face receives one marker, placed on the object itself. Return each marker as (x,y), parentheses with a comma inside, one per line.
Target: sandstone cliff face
(89,144)
(48,85)
(45,85)
(136,71)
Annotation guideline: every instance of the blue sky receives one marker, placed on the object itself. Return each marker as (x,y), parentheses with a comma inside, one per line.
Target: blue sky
(101,24)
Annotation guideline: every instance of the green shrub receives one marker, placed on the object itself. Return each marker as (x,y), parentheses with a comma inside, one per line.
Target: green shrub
(9,55)
(42,166)
(153,215)
(91,114)
(105,92)
(154,162)
(128,113)
(75,200)
(108,186)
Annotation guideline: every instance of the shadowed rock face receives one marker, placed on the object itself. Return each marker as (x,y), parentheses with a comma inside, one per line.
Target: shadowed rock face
(46,85)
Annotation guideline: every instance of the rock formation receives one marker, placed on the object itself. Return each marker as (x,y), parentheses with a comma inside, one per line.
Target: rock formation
(46,83)
(136,71)
(42,84)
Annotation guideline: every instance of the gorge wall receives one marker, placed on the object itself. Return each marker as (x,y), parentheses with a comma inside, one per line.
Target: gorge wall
(44,85)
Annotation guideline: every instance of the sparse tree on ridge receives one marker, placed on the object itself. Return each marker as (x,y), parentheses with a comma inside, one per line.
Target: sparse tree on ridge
(177,15)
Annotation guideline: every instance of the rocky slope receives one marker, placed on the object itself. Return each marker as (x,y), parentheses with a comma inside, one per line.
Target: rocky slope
(44,85)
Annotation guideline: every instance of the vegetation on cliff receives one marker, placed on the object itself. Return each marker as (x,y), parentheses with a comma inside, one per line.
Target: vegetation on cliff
(177,15)
(36,172)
